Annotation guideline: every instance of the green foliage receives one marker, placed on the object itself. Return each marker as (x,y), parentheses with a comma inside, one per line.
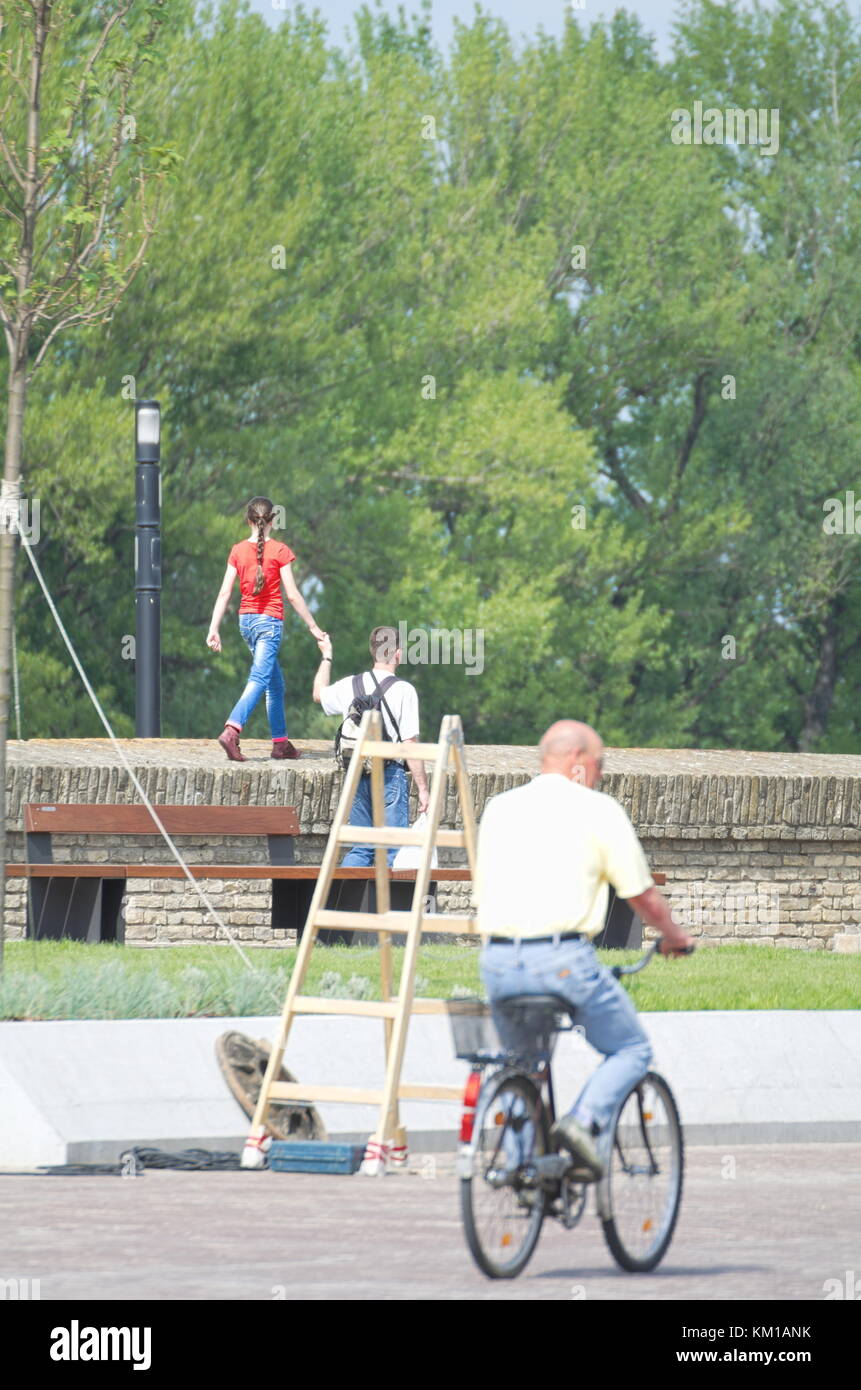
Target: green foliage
(397,338)
(98,178)
(49,979)
(334,986)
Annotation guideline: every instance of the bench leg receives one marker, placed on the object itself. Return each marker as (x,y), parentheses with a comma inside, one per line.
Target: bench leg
(66,909)
(76,909)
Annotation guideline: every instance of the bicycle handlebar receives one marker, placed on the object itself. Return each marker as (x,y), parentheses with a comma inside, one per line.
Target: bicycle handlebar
(649,955)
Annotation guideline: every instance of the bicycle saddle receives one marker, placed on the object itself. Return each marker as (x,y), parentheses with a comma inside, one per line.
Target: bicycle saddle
(542,1003)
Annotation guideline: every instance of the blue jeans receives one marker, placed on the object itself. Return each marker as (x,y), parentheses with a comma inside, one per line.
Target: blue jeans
(603,1009)
(397,811)
(263,635)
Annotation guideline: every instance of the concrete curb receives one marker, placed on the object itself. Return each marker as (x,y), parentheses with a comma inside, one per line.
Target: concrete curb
(84,1091)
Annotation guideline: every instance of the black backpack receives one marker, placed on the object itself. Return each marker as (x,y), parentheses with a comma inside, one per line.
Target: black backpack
(347,735)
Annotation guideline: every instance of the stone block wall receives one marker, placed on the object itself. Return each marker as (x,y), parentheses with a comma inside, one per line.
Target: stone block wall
(756,847)
(772,892)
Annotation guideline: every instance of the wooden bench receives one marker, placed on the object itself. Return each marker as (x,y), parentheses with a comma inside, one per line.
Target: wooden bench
(82,902)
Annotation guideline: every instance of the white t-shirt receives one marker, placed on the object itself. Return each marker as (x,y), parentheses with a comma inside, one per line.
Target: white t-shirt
(400,697)
(546,854)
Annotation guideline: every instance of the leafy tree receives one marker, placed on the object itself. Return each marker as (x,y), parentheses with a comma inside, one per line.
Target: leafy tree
(78,208)
(509,358)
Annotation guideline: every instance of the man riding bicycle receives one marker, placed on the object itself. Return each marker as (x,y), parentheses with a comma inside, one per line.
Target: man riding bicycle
(547,852)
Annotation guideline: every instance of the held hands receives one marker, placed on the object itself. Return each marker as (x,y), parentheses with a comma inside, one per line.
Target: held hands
(324,642)
(213,640)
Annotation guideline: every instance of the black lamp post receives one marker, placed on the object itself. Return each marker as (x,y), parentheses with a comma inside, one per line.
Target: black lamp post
(147,570)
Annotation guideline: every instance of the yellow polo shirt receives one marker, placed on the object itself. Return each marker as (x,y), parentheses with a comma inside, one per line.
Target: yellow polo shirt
(547,852)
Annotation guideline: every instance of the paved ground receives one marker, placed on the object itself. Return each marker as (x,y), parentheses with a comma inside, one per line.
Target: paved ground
(757,1223)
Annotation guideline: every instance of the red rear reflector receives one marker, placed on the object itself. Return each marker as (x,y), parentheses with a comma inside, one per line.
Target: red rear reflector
(473,1087)
(470,1100)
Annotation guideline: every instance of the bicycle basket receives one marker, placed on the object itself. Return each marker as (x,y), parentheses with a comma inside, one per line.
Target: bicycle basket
(477,1037)
(473,1029)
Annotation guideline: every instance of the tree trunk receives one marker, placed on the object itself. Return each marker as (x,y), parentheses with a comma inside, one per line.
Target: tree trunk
(10,499)
(18,338)
(817,704)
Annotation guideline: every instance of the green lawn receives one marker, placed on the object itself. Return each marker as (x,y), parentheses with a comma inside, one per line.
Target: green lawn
(56,980)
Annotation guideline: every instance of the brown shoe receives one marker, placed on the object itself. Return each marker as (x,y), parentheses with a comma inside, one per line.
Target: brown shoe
(284,749)
(229,741)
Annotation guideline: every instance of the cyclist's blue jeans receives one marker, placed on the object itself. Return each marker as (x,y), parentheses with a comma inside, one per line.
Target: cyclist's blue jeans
(263,635)
(397,811)
(603,1009)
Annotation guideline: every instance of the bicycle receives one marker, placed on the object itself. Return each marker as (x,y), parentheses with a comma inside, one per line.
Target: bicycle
(511,1179)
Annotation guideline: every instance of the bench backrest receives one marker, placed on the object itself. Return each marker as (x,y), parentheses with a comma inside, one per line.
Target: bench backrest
(70,818)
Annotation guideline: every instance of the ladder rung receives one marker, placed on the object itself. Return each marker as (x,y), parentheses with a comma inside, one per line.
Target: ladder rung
(371,749)
(429,1092)
(393,836)
(466,1008)
(448,922)
(358,921)
(297,1090)
(378,1008)
(435,1006)
(367,1008)
(397,922)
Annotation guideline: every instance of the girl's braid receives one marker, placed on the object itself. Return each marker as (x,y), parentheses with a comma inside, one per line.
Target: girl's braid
(260,512)
(258,583)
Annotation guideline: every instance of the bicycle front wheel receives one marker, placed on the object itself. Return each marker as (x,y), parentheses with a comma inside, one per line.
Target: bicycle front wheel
(642,1188)
(503,1203)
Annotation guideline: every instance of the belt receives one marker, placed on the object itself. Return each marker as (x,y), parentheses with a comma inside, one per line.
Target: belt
(530,940)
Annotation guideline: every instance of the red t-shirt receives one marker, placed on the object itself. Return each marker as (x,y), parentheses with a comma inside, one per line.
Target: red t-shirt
(243,558)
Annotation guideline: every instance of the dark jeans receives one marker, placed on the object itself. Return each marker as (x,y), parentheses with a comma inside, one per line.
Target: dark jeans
(397,811)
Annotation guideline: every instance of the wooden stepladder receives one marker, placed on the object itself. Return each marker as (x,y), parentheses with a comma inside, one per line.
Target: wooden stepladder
(387,1146)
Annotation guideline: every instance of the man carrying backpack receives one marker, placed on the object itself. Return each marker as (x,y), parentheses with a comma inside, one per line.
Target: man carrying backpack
(398,704)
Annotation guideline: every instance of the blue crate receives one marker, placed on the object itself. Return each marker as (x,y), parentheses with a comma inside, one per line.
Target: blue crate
(315,1156)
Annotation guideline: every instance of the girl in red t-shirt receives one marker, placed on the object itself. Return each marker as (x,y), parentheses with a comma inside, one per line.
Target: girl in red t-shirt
(263,565)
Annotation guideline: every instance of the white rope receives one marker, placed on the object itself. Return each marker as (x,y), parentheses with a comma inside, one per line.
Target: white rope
(16,686)
(130,770)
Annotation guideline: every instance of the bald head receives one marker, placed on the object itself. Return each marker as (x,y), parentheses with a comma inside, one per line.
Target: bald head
(574,750)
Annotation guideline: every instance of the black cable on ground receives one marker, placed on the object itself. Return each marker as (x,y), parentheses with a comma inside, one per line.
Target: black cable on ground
(194,1159)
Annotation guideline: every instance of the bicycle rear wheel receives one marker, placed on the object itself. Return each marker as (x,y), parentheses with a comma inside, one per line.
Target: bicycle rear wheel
(502,1203)
(642,1188)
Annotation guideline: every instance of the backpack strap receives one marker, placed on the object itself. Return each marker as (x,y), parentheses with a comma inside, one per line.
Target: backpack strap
(358,687)
(380,695)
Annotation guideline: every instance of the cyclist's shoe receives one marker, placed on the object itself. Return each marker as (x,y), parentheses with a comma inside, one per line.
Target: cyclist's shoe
(571,1135)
